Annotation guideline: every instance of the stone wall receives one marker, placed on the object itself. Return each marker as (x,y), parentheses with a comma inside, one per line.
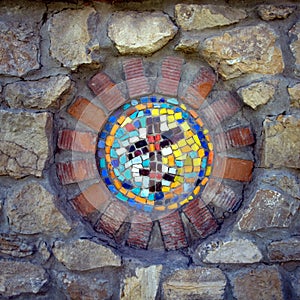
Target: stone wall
(57,59)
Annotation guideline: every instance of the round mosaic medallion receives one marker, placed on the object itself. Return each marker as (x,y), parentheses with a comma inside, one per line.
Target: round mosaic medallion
(155,154)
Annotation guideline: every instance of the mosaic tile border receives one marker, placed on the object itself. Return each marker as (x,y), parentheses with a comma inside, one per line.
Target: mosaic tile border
(109,213)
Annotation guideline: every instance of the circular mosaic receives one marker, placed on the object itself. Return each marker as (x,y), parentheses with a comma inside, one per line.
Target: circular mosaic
(154,154)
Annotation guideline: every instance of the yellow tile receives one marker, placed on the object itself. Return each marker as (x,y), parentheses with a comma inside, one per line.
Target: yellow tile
(178,116)
(174,146)
(172,125)
(170,112)
(205,131)
(190,197)
(196,162)
(184,201)
(182,157)
(195,147)
(140,106)
(210,146)
(185,126)
(190,141)
(204,181)
(173,206)
(127,121)
(179,179)
(175,184)
(208,137)
(163,111)
(197,169)
(155,112)
(199,122)
(165,160)
(189,133)
(121,119)
(208,171)
(114,129)
(181,143)
(183,106)
(196,190)
(186,149)
(196,138)
(160,208)
(107,158)
(188,169)
(170,119)
(177,153)
(165,189)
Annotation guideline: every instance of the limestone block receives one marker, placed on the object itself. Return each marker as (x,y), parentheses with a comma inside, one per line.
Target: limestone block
(272,12)
(294,92)
(285,250)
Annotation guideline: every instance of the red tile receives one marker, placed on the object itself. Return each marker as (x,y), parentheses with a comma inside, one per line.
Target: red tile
(88,113)
(240,136)
(76,171)
(77,141)
(173,232)
(100,82)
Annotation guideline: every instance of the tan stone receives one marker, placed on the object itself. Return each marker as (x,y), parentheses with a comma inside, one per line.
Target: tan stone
(84,255)
(20,277)
(295,44)
(43,93)
(230,252)
(140,33)
(196,283)
(188,45)
(262,283)
(285,250)
(256,93)
(198,17)
(268,209)
(272,12)
(71,43)
(31,210)
(282,142)
(142,286)
(294,92)
(25,143)
(236,51)
(14,246)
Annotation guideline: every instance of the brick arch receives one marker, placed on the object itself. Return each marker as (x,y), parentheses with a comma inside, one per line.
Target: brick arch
(108,214)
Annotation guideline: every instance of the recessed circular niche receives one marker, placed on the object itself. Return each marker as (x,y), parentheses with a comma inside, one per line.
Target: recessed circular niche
(154,154)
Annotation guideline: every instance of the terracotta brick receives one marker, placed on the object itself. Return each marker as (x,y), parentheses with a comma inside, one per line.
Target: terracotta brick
(100,82)
(193,98)
(210,117)
(94,198)
(76,171)
(173,232)
(204,82)
(170,72)
(112,219)
(219,195)
(77,141)
(140,230)
(241,136)
(201,218)
(87,113)
(106,90)
(232,168)
(221,142)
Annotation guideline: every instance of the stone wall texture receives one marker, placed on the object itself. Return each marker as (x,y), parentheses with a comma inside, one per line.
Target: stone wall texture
(55,55)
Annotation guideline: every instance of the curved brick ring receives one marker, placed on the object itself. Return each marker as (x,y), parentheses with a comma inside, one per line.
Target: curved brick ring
(160,155)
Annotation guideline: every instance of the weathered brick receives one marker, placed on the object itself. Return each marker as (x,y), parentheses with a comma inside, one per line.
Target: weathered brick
(241,136)
(76,171)
(112,219)
(87,113)
(201,218)
(204,82)
(106,90)
(77,140)
(173,232)
(140,230)
(219,195)
(170,72)
(137,82)
(95,197)
(221,142)
(192,97)
(221,109)
(232,168)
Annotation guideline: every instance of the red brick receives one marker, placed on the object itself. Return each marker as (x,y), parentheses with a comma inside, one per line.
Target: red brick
(173,232)
(232,168)
(94,198)
(133,68)
(140,230)
(76,171)
(87,113)
(241,136)
(111,98)
(204,82)
(193,98)
(201,218)
(100,82)
(106,91)
(219,195)
(170,72)
(112,219)
(77,141)
(221,142)
(221,109)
